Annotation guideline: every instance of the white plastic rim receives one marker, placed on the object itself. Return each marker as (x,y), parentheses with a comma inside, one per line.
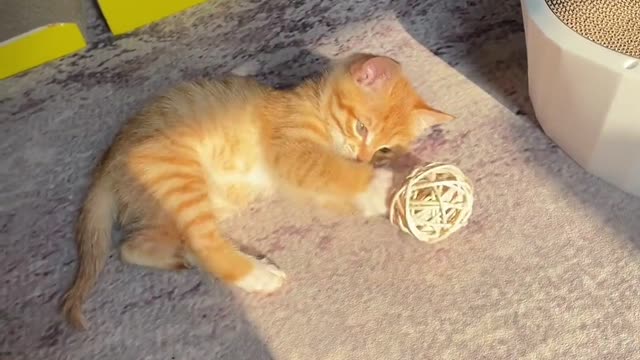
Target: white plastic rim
(585,96)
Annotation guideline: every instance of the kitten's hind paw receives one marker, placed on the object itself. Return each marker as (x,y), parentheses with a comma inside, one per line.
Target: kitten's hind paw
(265,277)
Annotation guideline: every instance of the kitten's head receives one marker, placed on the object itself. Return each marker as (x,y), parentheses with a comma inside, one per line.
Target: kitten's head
(373,110)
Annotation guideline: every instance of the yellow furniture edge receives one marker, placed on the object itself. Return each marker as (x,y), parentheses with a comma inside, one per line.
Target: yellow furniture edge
(39,46)
(124,16)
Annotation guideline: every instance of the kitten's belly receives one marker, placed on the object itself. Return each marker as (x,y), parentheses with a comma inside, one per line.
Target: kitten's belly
(233,191)
(235,162)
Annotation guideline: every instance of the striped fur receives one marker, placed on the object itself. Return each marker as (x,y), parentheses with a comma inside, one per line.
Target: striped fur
(204,150)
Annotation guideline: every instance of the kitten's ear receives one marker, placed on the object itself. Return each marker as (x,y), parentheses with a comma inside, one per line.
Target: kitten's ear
(426,116)
(375,72)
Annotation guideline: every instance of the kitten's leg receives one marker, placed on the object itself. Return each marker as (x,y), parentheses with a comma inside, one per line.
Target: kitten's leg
(157,247)
(179,183)
(332,180)
(218,256)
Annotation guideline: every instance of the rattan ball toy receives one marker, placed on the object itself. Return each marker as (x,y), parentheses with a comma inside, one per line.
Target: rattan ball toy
(434,201)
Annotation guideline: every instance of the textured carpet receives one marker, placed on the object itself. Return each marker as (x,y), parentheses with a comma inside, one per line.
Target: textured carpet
(548,267)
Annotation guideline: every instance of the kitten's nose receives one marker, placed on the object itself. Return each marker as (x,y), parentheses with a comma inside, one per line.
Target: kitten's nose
(363,156)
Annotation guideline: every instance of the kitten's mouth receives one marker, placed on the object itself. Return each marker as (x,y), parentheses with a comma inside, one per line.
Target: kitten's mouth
(380,162)
(382,158)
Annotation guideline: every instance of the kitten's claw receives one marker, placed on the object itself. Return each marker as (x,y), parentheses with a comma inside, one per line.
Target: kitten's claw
(373,201)
(265,277)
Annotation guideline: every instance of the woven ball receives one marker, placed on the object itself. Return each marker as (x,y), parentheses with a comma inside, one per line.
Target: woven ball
(434,201)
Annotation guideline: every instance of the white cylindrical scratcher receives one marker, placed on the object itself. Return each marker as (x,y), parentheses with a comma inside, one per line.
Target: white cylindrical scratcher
(584,82)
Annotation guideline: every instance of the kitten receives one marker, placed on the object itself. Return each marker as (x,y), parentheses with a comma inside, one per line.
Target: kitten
(204,150)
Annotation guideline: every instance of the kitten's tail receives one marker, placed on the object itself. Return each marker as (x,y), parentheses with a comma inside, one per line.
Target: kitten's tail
(93,236)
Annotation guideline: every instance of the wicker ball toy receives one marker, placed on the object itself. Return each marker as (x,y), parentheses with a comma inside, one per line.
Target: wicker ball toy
(435,201)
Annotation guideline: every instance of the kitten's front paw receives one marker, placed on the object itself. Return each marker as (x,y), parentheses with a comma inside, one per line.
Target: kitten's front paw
(373,201)
(265,277)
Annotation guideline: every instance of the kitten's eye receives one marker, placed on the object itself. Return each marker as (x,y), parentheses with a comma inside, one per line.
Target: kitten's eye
(384,150)
(361,129)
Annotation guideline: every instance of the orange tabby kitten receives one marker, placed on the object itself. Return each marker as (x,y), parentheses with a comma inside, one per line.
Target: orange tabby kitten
(204,150)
